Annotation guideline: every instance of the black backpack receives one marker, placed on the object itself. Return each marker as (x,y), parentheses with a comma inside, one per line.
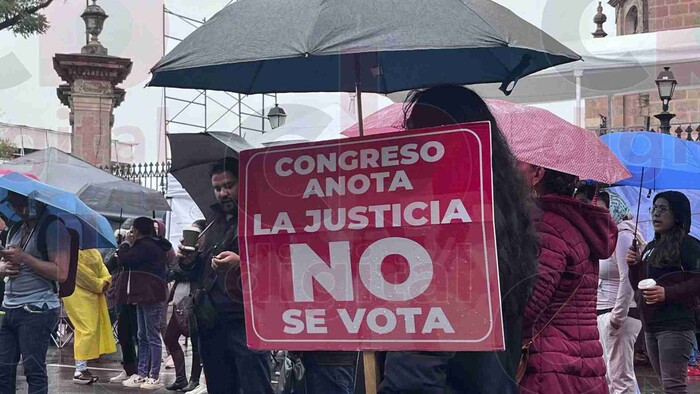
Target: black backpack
(66,288)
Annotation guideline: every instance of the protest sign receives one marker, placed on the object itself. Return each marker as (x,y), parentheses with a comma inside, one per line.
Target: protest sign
(373,243)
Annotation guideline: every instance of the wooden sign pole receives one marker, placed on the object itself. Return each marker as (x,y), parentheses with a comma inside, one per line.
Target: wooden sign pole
(372,376)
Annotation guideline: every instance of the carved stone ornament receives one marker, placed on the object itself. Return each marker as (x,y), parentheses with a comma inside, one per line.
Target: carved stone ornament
(92,87)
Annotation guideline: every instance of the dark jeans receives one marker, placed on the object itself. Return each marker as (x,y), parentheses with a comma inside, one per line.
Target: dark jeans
(150,342)
(172,343)
(127,327)
(328,379)
(25,334)
(229,365)
(669,352)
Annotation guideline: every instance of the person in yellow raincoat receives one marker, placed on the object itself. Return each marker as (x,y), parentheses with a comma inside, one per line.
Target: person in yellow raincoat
(87,310)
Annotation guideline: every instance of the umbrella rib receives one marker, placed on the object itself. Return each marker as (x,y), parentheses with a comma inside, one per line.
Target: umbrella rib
(478,15)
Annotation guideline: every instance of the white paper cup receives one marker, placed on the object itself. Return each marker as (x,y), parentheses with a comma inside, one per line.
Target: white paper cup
(646,284)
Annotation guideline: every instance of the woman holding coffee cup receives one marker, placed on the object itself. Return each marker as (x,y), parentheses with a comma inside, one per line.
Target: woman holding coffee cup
(179,321)
(667,273)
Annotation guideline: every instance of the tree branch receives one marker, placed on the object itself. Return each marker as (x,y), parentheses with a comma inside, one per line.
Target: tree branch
(27,11)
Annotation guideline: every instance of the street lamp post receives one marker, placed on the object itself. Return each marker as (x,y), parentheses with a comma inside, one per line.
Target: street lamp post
(94,17)
(666,84)
(277,117)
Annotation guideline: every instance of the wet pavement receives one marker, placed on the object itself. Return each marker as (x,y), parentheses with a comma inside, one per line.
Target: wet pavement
(60,367)
(60,370)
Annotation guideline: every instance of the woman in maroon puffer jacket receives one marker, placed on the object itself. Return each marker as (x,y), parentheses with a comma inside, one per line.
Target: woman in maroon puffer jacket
(566,356)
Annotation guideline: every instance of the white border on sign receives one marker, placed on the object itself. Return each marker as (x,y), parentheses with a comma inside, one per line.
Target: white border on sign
(394,136)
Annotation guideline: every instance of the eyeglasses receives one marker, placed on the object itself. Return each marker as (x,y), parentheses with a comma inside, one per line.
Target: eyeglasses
(660,209)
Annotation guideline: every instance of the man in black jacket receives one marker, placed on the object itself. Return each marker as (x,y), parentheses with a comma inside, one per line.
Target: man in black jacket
(229,365)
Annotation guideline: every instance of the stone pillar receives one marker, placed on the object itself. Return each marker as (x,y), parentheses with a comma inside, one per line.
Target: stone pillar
(91,92)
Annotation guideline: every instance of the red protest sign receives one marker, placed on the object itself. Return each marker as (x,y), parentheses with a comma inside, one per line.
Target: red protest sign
(373,243)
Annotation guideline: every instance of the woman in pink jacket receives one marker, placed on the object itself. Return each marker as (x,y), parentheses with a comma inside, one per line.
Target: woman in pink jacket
(565,355)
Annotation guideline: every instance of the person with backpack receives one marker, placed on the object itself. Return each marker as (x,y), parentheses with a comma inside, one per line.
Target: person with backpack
(31,301)
(87,311)
(144,255)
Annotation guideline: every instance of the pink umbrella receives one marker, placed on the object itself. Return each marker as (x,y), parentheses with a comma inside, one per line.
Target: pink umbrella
(535,136)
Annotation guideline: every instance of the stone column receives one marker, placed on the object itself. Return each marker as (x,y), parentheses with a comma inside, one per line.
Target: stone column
(91,92)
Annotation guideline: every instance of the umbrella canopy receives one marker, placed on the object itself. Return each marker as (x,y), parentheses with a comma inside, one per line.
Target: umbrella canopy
(94,229)
(264,46)
(59,169)
(193,155)
(122,198)
(656,161)
(66,172)
(535,136)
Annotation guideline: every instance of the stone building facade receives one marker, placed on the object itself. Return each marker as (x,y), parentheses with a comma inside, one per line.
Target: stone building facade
(636,111)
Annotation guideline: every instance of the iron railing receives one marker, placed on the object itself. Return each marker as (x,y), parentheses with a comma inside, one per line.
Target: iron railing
(151,175)
(681,130)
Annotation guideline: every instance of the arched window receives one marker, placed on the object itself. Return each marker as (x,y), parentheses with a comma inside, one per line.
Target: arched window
(632,20)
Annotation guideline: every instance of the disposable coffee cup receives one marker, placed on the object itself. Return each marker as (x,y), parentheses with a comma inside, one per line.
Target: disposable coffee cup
(646,284)
(190,236)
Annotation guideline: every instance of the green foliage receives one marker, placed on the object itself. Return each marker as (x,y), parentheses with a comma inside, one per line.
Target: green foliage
(7,150)
(22,17)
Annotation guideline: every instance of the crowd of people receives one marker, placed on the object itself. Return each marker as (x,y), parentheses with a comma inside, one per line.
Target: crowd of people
(579,286)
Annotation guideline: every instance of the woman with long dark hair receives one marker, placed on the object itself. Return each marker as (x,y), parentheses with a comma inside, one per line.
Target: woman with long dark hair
(144,255)
(670,264)
(560,326)
(475,372)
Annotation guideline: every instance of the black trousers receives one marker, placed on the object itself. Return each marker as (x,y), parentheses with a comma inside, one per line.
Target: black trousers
(127,329)
(229,365)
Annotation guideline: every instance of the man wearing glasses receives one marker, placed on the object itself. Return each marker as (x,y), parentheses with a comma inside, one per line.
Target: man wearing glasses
(31,301)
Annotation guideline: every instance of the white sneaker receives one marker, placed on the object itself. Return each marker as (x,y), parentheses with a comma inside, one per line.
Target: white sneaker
(152,384)
(119,378)
(134,381)
(201,389)
(169,363)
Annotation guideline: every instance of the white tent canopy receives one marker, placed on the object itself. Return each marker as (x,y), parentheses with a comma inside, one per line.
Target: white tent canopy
(611,66)
(184,210)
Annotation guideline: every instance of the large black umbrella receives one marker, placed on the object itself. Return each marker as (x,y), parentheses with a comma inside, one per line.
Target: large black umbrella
(122,199)
(265,46)
(193,156)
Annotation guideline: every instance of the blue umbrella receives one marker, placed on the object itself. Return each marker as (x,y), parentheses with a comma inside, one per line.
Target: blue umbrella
(656,161)
(93,228)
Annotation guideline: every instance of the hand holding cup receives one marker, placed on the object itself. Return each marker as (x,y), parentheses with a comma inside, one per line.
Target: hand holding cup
(651,292)
(190,236)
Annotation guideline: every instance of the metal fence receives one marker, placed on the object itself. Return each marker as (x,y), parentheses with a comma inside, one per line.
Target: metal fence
(687,131)
(155,175)
(151,175)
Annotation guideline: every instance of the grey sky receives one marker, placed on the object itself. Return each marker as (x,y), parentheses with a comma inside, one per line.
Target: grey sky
(28,82)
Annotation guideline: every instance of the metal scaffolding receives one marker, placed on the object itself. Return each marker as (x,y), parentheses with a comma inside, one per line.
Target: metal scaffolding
(188,110)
